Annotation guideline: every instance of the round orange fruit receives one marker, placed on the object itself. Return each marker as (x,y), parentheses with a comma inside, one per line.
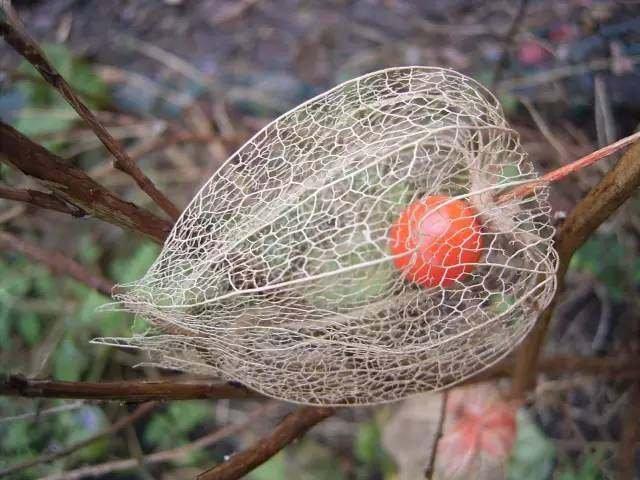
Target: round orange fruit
(436,241)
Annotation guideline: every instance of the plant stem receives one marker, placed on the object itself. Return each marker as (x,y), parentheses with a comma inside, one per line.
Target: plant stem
(560,173)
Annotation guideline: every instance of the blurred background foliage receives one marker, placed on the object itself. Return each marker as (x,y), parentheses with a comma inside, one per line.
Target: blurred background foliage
(268,57)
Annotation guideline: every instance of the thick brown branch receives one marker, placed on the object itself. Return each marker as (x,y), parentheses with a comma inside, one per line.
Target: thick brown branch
(138,413)
(41,199)
(57,262)
(16,36)
(75,186)
(604,199)
(129,391)
(292,427)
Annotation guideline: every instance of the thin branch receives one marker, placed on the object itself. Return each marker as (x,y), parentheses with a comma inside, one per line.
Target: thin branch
(630,435)
(562,172)
(57,262)
(506,43)
(428,474)
(600,203)
(41,199)
(292,427)
(129,391)
(43,413)
(16,35)
(75,186)
(138,413)
(172,455)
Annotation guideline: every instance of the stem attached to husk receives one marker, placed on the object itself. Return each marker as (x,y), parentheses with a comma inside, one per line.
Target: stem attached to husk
(527,189)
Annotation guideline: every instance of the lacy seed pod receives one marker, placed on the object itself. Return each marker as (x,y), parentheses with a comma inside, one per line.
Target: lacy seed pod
(280,275)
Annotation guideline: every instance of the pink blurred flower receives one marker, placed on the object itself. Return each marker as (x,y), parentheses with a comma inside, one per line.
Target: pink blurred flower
(479,433)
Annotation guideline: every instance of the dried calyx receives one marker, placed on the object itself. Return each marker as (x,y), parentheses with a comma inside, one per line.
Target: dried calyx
(353,251)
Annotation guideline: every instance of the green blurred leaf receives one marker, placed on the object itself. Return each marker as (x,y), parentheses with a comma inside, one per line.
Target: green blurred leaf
(274,469)
(89,251)
(179,419)
(29,328)
(314,461)
(533,454)
(69,362)
(604,257)
(589,470)
(75,70)
(369,451)
(15,436)
(129,269)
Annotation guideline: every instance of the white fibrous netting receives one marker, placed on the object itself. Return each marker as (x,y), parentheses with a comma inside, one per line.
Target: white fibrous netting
(279,274)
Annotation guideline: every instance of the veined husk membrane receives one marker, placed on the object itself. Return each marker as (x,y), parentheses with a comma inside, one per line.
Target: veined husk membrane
(278,274)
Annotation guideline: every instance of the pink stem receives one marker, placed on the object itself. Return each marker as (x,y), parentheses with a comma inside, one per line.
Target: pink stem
(559,173)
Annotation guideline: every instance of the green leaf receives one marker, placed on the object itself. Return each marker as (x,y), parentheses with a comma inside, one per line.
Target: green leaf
(275,468)
(129,269)
(68,361)
(76,71)
(15,436)
(533,454)
(179,419)
(369,451)
(28,326)
(589,470)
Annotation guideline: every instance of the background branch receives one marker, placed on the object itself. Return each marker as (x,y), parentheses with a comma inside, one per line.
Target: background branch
(41,199)
(15,34)
(57,262)
(292,427)
(75,186)
(138,413)
(172,455)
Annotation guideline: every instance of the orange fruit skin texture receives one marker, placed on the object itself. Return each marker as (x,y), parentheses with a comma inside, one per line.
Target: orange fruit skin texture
(436,246)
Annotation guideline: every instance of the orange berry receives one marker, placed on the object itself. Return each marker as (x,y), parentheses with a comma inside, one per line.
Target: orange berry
(436,245)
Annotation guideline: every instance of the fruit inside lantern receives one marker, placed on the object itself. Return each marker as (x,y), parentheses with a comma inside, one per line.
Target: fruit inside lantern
(436,241)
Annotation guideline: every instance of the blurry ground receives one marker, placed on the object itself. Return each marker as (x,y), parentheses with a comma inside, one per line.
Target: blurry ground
(214,72)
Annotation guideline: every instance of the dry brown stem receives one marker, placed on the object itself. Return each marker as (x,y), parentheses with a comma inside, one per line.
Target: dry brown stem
(129,391)
(75,186)
(599,204)
(41,199)
(170,389)
(292,427)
